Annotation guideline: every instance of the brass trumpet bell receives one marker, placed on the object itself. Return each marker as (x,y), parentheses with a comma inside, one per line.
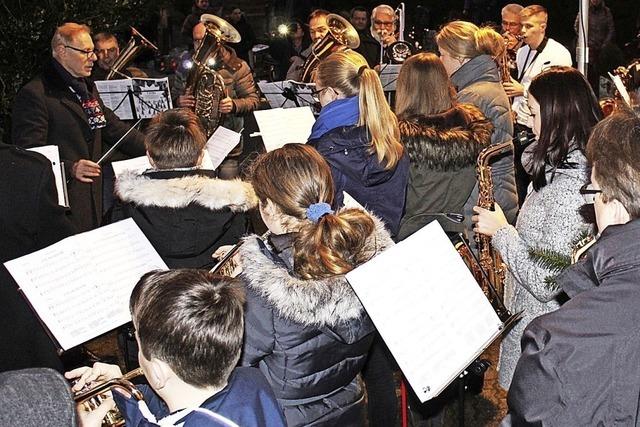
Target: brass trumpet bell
(343,31)
(221,28)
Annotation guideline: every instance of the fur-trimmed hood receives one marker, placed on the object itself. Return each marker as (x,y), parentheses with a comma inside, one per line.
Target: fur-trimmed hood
(179,192)
(446,141)
(326,302)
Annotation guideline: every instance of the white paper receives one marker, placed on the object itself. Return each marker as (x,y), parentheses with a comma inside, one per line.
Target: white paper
(349,202)
(617,81)
(150,96)
(52,153)
(220,143)
(141,164)
(287,93)
(80,286)
(428,308)
(389,76)
(280,126)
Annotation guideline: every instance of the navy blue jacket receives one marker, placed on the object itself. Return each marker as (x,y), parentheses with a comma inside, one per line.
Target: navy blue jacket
(357,171)
(247,400)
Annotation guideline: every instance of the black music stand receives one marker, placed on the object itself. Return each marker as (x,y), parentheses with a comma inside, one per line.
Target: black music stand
(289,94)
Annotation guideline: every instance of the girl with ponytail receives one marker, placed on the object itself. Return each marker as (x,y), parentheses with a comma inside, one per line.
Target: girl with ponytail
(357,133)
(469,55)
(305,329)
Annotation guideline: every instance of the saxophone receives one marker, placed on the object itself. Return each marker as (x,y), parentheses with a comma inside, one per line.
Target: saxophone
(490,260)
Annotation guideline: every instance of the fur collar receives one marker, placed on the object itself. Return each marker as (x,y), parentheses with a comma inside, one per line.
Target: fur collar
(325,302)
(212,193)
(446,141)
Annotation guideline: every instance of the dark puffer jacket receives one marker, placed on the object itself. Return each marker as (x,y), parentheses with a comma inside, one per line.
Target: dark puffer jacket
(478,83)
(357,171)
(310,338)
(186,215)
(442,149)
(580,365)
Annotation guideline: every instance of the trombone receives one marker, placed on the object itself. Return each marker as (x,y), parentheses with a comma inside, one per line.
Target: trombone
(137,42)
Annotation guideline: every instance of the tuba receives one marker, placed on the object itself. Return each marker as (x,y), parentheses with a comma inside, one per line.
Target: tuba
(341,35)
(204,81)
(136,44)
(90,399)
(489,259)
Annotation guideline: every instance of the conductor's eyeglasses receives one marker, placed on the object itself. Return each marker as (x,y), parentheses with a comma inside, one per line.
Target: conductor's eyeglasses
(87,52)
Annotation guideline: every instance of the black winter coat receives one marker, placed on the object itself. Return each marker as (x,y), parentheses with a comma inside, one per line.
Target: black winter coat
(310,338)
(580,365)
(46,112)
(30,219)
(186,215)
(442,149)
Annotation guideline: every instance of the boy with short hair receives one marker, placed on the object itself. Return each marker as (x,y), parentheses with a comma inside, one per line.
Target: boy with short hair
(189,328)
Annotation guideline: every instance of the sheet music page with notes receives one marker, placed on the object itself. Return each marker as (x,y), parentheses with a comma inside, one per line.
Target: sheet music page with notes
(80,286)
(115,95)
(428,308)
(220,144)
(280,126)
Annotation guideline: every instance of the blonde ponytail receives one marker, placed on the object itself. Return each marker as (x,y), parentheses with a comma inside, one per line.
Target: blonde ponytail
(348,72)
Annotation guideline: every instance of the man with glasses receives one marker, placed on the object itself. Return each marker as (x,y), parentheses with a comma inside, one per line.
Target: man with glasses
(383,27)
(107,51)
(580,365)
(511,29)
(61,107)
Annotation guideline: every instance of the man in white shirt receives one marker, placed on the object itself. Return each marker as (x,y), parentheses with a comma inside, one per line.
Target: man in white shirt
(536,55)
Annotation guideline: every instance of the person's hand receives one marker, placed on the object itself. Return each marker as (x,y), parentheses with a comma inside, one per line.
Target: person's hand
(85,170)
(94,418)
(186,101)
(226,105)
(513,88)
(512,41)
(488,222)
(87,375)
(388,39)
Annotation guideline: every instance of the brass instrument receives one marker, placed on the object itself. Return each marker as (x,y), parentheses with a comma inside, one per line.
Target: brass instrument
(490,259)
(228,264)
(630,78)
(401,50)
(136,44)
(92,398)
(582,247)
(204,82)
(341,36)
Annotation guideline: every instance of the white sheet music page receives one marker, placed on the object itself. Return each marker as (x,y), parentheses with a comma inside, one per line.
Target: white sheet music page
(52,153)
(428,308)
(115,95)
(220,143)
(280,126)
(80,286)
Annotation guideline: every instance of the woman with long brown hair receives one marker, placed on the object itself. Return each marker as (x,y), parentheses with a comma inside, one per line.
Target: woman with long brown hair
(443,139)
(357,133)
(306,330)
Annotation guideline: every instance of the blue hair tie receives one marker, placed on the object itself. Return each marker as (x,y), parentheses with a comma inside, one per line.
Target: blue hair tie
(315,211)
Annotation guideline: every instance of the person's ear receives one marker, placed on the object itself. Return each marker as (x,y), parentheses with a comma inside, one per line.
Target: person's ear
(544,26)
(158,373)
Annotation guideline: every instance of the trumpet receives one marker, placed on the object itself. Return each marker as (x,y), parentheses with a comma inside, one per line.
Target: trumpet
(91,398)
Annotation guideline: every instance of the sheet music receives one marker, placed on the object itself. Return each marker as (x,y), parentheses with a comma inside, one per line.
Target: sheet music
(80,286)
(287,93)
(281,126)
(389,76)
(220,144)
(150,97)
(52,153)
(114,95)
(427,306)
(349,202)
(141,164)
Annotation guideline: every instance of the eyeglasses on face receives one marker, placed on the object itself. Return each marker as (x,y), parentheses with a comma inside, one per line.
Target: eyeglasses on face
(383,23)
(87,52)
(589,193)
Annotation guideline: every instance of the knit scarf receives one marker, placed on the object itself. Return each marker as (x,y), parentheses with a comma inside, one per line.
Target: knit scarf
(89,103)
